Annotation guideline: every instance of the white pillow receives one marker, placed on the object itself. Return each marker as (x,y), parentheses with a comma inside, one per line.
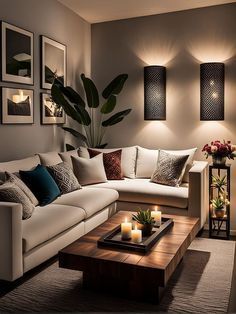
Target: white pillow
(146,162)
(189,162)
(128,158)
(50,158)
(89,171)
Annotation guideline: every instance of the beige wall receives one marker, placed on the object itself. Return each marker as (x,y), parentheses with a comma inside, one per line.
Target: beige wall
(52,19)
(180,41)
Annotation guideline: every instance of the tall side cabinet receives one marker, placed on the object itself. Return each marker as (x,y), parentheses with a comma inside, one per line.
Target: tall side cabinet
(219,227)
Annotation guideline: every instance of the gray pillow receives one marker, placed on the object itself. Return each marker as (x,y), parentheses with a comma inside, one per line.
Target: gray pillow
(64,177)
(10,192)
(89,171)
(13,178)
(170,169)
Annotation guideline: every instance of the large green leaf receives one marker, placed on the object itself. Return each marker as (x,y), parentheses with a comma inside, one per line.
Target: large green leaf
(90,91)
(85,117)
(109,105)
(59,99)
(115,87)
(75,133)
(73,96)
(116,118)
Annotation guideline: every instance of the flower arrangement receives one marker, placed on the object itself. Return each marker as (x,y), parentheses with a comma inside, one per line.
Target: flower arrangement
(219,149)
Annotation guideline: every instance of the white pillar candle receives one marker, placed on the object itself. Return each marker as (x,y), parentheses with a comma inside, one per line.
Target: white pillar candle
(156,214)
(126,228)
(136,235)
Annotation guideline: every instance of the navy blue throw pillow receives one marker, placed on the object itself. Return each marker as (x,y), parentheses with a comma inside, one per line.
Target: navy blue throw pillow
(41,183)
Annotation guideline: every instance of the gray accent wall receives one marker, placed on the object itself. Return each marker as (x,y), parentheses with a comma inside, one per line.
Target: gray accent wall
(52,19)
(180,41)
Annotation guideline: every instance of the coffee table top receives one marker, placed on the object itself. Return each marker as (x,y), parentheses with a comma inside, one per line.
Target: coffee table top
(162,259)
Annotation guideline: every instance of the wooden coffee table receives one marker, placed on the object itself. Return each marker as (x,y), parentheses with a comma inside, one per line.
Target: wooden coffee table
(131,274)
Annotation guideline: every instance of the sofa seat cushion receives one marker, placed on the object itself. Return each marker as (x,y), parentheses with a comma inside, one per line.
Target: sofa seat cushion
(49,221)
(92,200)
(144,191)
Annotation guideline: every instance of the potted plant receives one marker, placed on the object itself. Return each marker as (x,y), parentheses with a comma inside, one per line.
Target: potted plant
(91,113)
(145,221)
(218,206)
(219,151)
(219,183)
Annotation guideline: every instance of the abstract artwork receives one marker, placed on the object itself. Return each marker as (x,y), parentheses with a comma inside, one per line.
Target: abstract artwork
(17,106)
(17,54)
(53,62)
(51,113)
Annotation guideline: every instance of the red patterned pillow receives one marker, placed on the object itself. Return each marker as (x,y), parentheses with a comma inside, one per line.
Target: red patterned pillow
(112,163)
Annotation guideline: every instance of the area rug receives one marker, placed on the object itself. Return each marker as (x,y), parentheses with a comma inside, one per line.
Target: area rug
(200,284)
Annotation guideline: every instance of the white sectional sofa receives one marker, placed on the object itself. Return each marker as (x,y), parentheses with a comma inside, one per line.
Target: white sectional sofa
(25,244)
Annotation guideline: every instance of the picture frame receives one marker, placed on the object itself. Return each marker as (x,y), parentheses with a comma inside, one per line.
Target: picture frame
(53,62)
(51,113)
(17,60)
(17,105)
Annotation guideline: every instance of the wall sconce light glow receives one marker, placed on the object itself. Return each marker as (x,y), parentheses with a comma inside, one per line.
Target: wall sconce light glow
(212,91)
(154,93)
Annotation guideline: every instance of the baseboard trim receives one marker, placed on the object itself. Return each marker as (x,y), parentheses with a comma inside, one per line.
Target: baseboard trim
(232,232)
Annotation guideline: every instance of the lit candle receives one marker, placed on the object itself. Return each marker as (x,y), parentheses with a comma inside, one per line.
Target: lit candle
(126,228)
(156,214)
(136,235)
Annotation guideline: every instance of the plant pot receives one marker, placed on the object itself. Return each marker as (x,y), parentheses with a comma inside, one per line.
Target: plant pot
(146,228)
(218,160)
(219,212)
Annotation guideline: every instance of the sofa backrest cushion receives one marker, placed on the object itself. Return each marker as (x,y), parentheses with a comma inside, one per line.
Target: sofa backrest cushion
(66,156)
(41,183)
(146,162)
(189,163)
(50,158)
(16,165)
(128,158)
(89,171)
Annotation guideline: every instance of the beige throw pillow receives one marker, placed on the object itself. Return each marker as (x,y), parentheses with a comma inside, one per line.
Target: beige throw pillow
(50,158)
(89,171)
(11,177)
(189,163)
(146,162)
(170,169)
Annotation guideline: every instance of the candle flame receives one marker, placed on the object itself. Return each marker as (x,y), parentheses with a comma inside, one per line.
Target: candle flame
(156,208)
(126,220)
(135,227)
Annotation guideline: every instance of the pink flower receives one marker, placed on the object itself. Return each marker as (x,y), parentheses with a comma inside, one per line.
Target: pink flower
(214,149)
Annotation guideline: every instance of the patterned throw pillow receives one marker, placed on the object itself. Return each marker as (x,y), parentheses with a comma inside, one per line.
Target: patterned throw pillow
(11,177)
(64,177)
(10,192)
(170,169)
(112,163)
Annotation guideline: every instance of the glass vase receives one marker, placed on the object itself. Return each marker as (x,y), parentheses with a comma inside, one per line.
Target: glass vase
(218,160)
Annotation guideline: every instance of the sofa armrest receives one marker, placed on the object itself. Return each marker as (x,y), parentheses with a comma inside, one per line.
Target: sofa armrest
(11,261)
(198,192)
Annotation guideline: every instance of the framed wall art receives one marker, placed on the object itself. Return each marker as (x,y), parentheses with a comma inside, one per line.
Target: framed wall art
(53,62)
(17,106)
(51,113)
(17,54)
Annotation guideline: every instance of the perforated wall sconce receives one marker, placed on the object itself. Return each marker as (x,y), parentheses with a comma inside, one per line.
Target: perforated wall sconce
(212,77)
(154,93)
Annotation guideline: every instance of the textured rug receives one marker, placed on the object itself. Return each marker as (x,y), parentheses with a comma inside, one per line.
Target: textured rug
(200,284)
